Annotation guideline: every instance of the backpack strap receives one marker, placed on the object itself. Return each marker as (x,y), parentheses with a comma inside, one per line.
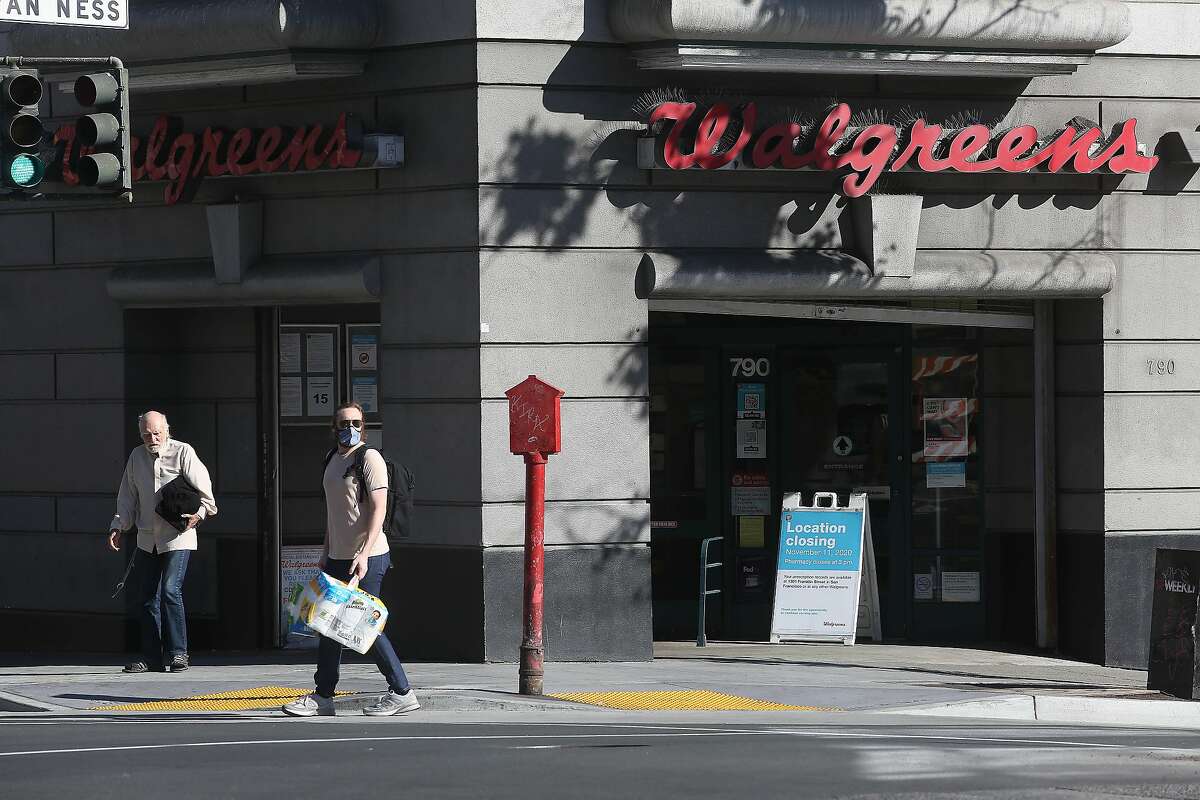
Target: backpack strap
(357,470)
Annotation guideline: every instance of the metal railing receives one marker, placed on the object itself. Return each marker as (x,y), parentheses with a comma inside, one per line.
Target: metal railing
(701,639)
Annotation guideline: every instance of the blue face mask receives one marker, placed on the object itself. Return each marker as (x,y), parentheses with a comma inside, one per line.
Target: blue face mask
(349,437)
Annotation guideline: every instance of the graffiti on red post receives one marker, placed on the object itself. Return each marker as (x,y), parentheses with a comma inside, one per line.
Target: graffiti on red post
(184,159)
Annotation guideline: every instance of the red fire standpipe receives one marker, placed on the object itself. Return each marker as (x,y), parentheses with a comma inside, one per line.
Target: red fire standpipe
(535,536)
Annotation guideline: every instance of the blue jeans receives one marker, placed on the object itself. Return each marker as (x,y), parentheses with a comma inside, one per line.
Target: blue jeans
(164,632)
(329,652)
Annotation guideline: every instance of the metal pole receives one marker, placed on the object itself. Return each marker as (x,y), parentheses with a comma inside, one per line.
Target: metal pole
(531,672)
(701,636)
(1044,486)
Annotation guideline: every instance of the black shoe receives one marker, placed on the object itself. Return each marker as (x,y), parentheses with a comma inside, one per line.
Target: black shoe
(141,666)
(179,662)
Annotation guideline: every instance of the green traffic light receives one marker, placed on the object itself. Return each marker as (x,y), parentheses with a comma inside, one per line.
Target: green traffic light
(25,170)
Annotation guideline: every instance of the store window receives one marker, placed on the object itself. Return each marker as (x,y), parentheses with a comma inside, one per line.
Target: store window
(947,518)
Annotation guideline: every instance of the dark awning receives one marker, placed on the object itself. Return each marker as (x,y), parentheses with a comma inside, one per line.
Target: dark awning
(268,283)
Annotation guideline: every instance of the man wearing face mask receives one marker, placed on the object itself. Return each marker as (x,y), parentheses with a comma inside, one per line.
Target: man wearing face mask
(355,547)
(163,550)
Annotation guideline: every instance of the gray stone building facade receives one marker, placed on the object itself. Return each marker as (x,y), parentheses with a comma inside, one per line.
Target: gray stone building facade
(523,235)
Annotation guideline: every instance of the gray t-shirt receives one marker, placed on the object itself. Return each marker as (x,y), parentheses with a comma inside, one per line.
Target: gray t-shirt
(345,520)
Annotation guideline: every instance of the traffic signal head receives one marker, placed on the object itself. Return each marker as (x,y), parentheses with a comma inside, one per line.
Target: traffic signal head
(106,130)
(21,130)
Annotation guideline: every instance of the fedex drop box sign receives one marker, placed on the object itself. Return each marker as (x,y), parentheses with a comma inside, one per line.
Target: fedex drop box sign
(818,574)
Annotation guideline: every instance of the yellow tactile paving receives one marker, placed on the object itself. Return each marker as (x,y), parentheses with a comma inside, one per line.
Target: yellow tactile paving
(236,700)
(700,700)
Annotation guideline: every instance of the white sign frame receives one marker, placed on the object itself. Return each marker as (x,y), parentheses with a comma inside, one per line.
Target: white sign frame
(863,605)
(113,14)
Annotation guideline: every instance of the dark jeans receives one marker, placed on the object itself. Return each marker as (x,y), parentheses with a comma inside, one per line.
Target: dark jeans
(164,632)
(329,654)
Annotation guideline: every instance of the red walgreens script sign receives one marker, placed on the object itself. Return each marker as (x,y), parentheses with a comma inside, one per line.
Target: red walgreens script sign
(875,149)
(184,159)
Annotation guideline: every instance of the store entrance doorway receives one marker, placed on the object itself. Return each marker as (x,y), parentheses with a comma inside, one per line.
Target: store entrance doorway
(743,412)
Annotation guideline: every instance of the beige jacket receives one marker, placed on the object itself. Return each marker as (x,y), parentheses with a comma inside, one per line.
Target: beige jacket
(145,475)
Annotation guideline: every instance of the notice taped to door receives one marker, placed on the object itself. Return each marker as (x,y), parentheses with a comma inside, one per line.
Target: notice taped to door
(826,569)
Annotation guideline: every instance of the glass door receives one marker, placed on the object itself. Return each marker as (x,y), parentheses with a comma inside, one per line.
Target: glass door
(947,511)
(684,493)
(840,410)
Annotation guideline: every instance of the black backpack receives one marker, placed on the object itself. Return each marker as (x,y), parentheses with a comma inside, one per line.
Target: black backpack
(398,518)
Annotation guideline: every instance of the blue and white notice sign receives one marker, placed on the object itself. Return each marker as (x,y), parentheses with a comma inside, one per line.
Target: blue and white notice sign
(819,572)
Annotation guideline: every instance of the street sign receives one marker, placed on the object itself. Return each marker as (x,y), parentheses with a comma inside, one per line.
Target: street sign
(83,13)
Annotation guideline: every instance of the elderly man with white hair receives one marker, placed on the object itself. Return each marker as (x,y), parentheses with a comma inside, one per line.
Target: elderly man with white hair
(163,549)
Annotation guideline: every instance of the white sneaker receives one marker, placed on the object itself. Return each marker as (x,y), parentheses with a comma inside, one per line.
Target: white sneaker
(310,705)
(392,703)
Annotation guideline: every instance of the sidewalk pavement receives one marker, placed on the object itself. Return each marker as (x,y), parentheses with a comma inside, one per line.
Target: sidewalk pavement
(871,678)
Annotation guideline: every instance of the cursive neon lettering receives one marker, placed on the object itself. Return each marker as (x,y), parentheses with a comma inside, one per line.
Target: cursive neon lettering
(969,142)
(868,157)
(874,149)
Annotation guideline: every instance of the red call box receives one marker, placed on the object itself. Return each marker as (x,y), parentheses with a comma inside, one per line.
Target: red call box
(534,417)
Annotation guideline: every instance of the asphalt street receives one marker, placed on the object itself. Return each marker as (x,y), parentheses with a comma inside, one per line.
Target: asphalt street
(621,756)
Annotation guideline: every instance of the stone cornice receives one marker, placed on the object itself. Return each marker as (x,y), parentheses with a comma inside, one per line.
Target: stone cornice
(1075,26)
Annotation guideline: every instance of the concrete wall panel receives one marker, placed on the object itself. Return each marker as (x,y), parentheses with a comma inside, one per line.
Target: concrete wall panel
(1161,29)
(1079,436)
(598,370)
(605,454)
(236,515)
(1078,368)
(1154,119)
(1151,441)
(440,138)
(28,240)
(1153,297)
(597,603)
(438,524)
(142,233)
(26,514)
(1129,592)
(94,468)
(1082,512)
(94,570)
(27,377)
(88,513)
(424,220)
(1009,511)
(440,443)
(1149,510)
(570,523)
(560,64)
(1170,366)
(570,21)
(429,298)
(424,373)
(582,296)
(237,466)
(90,376)
(28,298)
(218,376)
(1025,221)
(406,22)
(531,135)
(579,217)
(1008,444)
(1151,222)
